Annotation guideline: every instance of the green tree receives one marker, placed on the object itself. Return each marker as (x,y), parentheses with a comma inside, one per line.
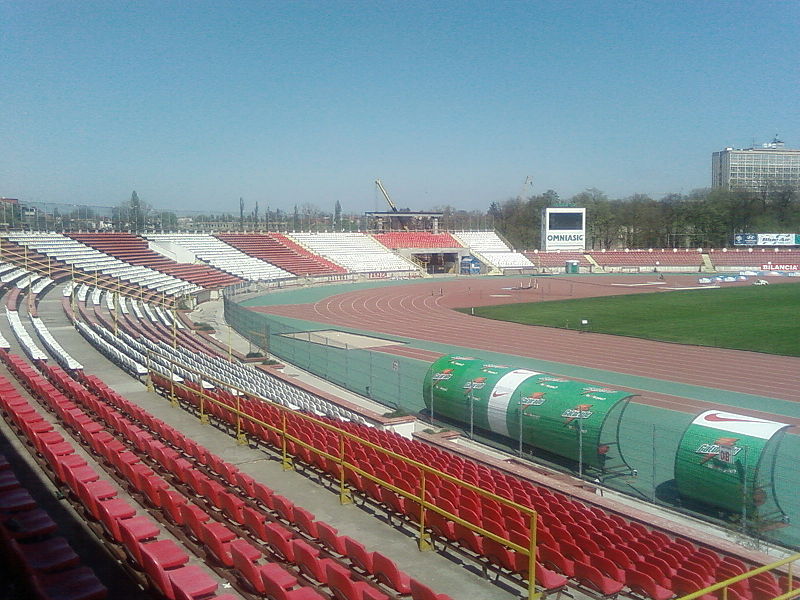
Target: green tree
(337,216)
(132,214)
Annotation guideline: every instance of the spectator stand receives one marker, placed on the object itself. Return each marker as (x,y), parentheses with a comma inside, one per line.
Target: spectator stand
(324,446)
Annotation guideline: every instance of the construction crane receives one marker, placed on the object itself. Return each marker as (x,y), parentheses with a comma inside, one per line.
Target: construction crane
(386,195)
(527,186)
(391,204)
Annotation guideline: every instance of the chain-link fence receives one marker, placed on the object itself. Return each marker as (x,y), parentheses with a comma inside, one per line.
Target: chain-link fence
(394,381)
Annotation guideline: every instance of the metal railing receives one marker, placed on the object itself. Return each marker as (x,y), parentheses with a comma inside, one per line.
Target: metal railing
(340,459)
(726,584)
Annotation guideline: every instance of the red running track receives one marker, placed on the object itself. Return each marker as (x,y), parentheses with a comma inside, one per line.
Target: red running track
(424,311)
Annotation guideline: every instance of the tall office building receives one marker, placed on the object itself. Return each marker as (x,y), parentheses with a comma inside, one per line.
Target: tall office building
(757,169)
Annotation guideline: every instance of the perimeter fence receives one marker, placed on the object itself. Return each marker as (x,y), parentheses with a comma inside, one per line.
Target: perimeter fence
(648,436)
(391,380)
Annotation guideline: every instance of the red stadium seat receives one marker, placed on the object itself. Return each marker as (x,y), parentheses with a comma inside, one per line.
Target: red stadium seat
(549,580)
(344,588)
(279,539)
(256,522)
(619,558)
(80,582)
(275,591)
(607,567)
(644,585)
(420,591)
(52,554)
(386,572)
(683,587)
(217,539)
(358,555)
(553,559)
(308,561)
(284,507)
(332,540)
(587,576)
(304,521)
(245,556)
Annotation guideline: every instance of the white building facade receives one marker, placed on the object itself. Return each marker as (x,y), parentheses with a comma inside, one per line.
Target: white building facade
(757,169)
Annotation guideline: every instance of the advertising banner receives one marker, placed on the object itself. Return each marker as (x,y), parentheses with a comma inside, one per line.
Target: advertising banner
(745,239)
(780,267)
(720,460)
(766,239)
(776,239)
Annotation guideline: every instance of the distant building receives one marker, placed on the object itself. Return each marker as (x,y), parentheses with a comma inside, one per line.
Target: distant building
(757,169)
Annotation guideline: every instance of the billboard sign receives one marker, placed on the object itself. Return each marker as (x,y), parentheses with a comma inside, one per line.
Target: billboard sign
(745,239)
(776,239)
(766,239)
(564,229)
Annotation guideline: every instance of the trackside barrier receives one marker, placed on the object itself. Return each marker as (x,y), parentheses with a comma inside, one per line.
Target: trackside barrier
(205,403)
(791,592)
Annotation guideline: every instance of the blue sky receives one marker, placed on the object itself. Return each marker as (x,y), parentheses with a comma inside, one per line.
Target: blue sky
(194,104)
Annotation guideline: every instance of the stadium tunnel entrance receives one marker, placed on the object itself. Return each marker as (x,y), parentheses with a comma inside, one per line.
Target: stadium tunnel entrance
(434,262)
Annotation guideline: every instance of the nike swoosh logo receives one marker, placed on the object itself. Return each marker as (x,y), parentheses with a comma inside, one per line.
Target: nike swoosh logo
(496,394)
(715,418)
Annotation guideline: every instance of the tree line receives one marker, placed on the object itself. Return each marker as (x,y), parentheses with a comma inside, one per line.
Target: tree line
(704,218)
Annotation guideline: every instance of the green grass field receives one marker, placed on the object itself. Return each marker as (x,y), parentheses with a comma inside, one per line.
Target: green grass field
(762,319)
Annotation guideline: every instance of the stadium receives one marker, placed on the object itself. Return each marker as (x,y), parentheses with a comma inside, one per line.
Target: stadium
(308,416)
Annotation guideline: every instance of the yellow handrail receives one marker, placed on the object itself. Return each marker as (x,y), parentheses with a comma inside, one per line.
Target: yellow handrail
(724,585)
(12,255)
(419,498)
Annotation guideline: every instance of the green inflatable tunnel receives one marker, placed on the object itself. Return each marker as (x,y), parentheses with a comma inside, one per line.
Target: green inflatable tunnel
(727,460)
(571,419)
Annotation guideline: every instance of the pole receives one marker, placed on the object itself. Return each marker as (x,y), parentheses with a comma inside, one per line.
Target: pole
(580,444)
(471,411)
(532,595)
(520,429)
(432,384)
(72,291)
(399,392)
(654,462)
(744,493)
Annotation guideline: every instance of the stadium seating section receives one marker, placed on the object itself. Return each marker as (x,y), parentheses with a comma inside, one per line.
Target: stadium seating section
(754,259)
(549,260)
(646,258)
(220,255)
(489,247)
(184,522)
(134,250)
(356,252)
(417,239)
(279,250)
